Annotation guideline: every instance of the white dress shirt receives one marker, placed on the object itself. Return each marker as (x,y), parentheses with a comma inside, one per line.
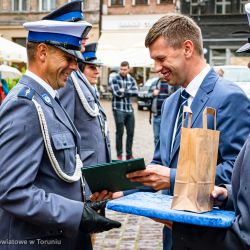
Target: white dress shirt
(192,89)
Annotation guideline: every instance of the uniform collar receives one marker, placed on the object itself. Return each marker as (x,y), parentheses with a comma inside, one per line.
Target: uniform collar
(44,84)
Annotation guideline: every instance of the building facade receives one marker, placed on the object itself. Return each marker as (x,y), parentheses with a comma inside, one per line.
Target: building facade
(13,13)
(224,27)
(124,26)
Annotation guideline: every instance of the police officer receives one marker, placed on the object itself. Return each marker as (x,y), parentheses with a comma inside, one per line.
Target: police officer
(41,192)
(79,99)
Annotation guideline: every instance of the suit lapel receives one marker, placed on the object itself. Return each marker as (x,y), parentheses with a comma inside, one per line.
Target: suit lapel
(172,113)
(198,104)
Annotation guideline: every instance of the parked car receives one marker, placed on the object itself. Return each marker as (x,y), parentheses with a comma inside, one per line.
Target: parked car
(238,74)
(144,97)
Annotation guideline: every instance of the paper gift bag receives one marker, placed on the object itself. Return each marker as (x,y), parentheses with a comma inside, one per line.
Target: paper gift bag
(196,168)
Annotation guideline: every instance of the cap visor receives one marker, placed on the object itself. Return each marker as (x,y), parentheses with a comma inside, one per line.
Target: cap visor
(94,62)
(76,53)
(245,48)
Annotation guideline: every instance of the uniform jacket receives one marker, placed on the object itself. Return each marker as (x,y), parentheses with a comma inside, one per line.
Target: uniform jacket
(34,202)
(233,112)
(238,195)
(95,147)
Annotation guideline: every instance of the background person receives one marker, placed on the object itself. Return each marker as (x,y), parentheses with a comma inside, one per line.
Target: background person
(4,90)
(90,66)
(159,90)
(175,44)
(123,87)
(41,195)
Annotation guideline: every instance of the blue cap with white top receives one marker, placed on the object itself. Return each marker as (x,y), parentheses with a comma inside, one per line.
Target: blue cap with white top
(69,12)
(89,55)
(66,36)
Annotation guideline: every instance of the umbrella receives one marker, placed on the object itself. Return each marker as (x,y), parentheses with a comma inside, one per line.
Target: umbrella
(9,72)
(12,52)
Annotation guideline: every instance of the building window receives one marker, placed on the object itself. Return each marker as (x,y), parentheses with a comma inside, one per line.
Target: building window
(242,6)
(222,7)
(19,5)
(47,5)
(116,2)
(140,2)
(164,1)
(223,56)
(197,7)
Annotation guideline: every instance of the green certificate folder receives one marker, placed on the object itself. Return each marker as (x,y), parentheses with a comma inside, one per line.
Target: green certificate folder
(112,176)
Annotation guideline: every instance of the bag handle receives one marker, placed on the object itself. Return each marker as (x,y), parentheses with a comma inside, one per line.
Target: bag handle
(188,110)
(210,111)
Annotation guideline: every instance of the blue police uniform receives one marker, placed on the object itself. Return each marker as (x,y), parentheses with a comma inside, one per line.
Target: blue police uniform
(95,143)
(41,205)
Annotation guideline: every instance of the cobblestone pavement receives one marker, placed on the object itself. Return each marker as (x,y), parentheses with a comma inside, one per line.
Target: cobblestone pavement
(136,233)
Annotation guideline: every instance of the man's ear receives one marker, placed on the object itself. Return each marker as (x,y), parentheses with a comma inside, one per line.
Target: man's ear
(42,52)
(188,48)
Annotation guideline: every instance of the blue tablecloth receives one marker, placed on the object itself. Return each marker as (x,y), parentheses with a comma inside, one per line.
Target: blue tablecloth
(155,205)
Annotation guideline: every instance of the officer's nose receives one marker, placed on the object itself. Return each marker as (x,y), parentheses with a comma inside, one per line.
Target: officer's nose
(73,65)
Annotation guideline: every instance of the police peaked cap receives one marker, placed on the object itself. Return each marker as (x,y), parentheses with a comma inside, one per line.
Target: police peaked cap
(89,55)
(69,12)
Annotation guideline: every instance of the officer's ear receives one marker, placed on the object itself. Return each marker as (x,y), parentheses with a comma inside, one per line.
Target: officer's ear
(42,52)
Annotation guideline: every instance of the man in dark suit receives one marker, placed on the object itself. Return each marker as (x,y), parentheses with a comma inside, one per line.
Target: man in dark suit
(175,44)
(42,203)
(228,197)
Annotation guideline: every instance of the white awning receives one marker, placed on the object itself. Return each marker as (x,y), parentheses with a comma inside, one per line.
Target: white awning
(12,52)
(116,46)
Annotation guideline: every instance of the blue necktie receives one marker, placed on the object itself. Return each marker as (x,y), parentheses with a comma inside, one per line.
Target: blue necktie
(182,102)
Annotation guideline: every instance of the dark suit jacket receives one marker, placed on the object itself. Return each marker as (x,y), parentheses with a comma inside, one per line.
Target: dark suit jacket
(233,111)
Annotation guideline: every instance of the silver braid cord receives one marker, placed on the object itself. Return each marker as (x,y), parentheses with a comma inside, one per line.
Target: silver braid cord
(92,112)
(77,174)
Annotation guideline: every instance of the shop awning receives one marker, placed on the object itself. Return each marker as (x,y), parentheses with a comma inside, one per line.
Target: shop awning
(116,46)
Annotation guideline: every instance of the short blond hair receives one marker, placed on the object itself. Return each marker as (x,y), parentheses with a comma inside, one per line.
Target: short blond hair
(176,28)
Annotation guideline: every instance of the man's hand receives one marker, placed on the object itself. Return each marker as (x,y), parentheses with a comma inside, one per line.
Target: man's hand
(167,223)
(155,176)
(100,196)
(220,195)
(156,92)
(105,195)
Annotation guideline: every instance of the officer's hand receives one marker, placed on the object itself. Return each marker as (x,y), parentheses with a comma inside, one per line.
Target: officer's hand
(92,222)
(98,206)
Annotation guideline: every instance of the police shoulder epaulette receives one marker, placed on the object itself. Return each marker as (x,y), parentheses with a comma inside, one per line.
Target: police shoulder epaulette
(26,92)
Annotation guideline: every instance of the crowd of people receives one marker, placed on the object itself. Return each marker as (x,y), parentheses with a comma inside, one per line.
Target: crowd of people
(53,124)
